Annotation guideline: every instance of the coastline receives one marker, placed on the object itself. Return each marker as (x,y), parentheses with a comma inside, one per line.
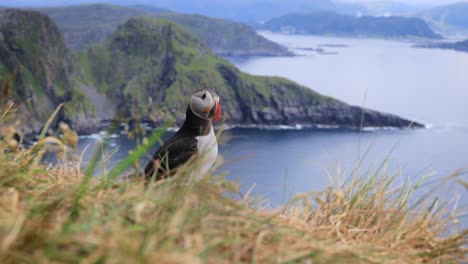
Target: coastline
(103,131)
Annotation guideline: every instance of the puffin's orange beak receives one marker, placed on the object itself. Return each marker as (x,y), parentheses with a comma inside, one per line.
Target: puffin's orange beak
(217,116)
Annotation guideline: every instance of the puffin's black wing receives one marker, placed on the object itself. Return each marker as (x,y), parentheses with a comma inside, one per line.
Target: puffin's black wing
(174,153)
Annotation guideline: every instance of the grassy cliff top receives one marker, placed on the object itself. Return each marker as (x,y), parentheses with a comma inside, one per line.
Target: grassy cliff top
(63,213)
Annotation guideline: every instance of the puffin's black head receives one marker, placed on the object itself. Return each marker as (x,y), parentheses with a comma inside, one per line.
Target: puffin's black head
(205,104)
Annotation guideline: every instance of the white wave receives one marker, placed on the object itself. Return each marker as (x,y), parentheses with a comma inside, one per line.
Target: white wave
(95,136)
(100,135)
(280,127)
(371,129)
(105,134)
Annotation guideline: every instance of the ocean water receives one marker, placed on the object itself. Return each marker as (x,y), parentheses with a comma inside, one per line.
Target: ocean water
(430,86)
(427,85)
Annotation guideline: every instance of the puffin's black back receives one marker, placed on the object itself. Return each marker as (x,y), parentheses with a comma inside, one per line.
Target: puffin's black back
(179,148)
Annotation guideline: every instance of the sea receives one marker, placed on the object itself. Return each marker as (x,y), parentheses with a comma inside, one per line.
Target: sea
(426,85)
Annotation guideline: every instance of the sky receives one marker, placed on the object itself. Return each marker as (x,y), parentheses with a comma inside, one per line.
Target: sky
(413,2)
(416,3)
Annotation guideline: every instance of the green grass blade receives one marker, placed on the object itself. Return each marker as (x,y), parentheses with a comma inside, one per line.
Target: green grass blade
(49,121)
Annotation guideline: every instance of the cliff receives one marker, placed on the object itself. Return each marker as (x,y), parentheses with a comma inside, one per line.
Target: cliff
(31,45)
(151,67)
(85,25)
(147,69)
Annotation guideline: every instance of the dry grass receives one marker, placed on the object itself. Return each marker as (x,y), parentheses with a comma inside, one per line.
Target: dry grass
(63,214)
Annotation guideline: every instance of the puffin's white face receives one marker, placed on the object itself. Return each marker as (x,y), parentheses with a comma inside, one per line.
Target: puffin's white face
(205,104)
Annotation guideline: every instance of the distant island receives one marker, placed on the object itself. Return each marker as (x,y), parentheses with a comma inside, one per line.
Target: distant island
(331,23)
(458,46)
(86,25)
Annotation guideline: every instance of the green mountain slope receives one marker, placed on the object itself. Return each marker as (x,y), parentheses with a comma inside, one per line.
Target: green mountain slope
(330,23)
(225,37)
(85,25)
(46,75)
(150,67)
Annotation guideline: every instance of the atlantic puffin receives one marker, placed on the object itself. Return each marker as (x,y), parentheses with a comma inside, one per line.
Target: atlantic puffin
(196,138)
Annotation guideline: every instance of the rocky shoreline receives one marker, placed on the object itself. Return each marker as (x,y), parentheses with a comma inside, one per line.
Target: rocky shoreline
(104,126)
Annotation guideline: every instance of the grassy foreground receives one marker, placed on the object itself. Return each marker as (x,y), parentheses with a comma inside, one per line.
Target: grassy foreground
(63,214)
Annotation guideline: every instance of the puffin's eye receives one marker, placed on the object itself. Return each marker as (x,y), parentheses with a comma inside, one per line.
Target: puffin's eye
(203,96)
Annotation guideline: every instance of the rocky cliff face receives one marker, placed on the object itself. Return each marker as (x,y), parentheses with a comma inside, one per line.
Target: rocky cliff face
(277,101)
(150,67)
(31,44)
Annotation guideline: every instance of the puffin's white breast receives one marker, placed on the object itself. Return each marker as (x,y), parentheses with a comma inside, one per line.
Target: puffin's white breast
(208,151)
